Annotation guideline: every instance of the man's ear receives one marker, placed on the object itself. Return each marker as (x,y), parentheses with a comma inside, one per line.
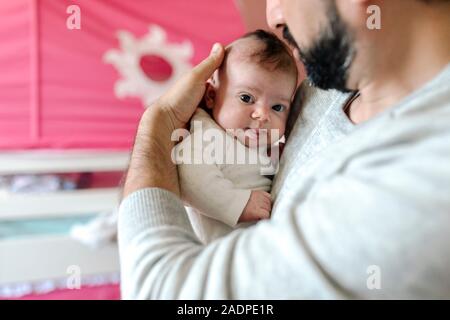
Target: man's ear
(210,95)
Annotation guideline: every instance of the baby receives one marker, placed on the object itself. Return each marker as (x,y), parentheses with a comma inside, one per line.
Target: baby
(246,105)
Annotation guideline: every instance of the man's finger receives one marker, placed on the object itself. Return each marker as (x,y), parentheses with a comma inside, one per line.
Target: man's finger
(266,214)
(204,70)
(267,195)
(266,206)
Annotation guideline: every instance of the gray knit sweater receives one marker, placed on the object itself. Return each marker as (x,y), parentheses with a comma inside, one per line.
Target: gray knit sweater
(359,212)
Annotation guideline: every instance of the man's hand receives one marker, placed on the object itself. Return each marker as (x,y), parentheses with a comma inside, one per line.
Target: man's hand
(183,98)
(151,164)
(258,207)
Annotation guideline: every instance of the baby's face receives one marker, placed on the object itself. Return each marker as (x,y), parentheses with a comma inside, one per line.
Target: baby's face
(251,98)
(252,101)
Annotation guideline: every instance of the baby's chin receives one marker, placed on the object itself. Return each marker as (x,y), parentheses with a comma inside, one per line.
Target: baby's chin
(254,144)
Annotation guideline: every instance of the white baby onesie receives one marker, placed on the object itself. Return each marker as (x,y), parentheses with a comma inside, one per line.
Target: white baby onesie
(216,185)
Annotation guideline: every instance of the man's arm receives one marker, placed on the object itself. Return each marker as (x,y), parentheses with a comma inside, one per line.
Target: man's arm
(150,163)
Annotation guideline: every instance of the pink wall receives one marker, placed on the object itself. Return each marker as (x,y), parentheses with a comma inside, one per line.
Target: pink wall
(55,90)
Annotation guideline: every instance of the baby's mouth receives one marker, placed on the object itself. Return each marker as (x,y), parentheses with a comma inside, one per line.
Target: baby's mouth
(252,134)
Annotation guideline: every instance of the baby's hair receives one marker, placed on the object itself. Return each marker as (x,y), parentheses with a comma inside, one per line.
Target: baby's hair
(275,55)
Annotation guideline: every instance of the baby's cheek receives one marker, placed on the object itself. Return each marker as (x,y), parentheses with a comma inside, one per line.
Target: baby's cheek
(223,120)
(236,121)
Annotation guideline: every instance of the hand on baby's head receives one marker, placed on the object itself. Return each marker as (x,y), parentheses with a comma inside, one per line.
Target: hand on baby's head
(258,207)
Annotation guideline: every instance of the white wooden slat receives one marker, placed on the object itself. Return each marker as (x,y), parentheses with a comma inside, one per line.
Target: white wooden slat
(57,204)
(39,258)
(33,162)
(48,257)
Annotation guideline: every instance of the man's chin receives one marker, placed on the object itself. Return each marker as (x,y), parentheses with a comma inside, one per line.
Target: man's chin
(318,79)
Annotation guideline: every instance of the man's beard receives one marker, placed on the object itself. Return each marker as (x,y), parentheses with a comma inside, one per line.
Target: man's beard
(327,61)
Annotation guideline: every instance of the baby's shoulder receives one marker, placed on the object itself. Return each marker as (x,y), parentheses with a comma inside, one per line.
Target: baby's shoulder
(202,120)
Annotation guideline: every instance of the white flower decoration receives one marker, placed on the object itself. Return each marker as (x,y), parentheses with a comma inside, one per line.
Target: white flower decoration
(148,66)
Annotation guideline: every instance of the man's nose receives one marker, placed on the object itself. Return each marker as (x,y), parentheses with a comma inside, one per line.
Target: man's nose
(274,14)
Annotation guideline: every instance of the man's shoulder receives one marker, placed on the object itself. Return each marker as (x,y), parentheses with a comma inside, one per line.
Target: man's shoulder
(426,112)
(311,103)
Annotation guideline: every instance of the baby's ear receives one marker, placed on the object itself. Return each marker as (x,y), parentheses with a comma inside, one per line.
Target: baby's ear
(210,95)
(214,80)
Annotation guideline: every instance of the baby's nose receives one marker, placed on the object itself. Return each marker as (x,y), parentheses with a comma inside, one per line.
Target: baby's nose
(261,114)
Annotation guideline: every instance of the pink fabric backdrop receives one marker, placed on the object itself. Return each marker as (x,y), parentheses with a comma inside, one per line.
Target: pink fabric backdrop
(55,90)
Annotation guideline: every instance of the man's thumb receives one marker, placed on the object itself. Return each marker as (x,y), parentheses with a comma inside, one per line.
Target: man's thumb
(216,49)
(206,68)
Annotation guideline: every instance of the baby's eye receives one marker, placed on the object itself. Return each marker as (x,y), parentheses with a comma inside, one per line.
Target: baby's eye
(246,98)
(278,108)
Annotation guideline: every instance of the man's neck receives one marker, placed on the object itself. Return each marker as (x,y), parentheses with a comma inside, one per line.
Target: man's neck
(407,70)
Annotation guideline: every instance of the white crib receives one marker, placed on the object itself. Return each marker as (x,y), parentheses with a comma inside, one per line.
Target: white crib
(34,259)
